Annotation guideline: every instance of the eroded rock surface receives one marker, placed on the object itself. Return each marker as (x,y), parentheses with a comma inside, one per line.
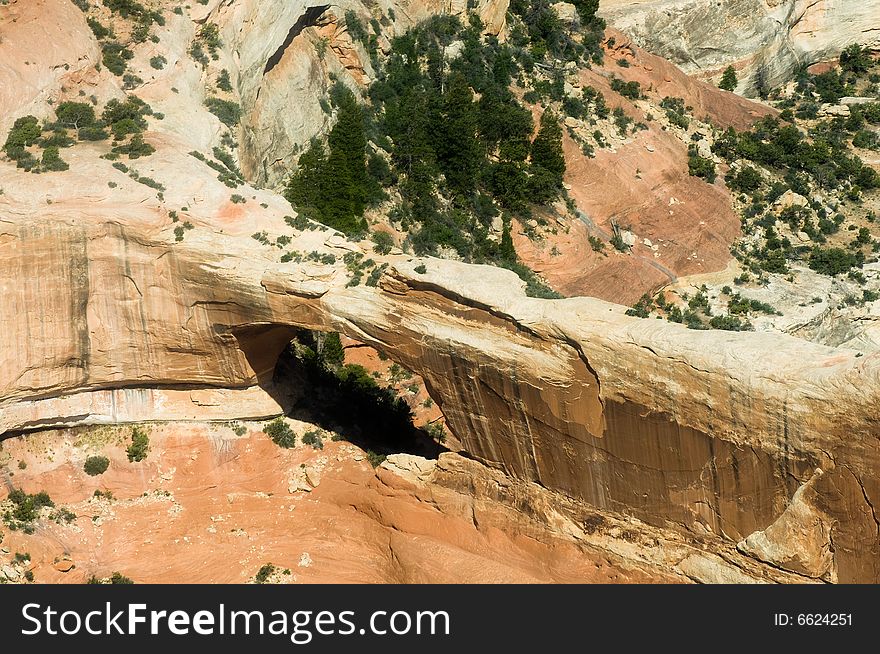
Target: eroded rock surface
(770,36)
(703,431)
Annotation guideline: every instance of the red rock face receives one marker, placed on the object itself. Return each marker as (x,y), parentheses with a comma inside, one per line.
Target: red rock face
(644,186)
(210,507)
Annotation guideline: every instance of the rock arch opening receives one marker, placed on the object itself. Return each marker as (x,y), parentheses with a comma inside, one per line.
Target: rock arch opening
(357,394)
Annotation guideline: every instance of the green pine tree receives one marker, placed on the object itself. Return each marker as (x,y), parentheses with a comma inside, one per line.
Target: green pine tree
(506,251)
(728,79)
(335,185)
(548,161)
(587,10)
(345,185)
(304,189)
(461,153)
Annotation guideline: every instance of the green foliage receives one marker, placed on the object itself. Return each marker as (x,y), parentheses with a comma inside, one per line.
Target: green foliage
(631,90)
(867,139)
(356,28)
(98,29)
(834,261)
(459,154)
(24,133)
(76,115)
(546,35)
(158,62)
(52,160)
(856,59)
(125,117)
(313,438)
(25,509)
(830,86)
(96,465)
(730,323)
(783,147)
(702,167)
(264,573)
(223,82)
(332,353)
(745,180)
(383,242)
(115,57)
(642,308)
(548,161)
(227,111)
(280,433)
(117,578)
(335,186)
(135,148)
(140,445)
(728,79)
(675,111)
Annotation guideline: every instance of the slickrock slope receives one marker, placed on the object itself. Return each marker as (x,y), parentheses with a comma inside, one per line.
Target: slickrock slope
(681,224)
(771,36)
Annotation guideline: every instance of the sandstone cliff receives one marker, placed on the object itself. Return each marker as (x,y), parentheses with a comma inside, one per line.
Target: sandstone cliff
(770,36)
(706,432)
(750,439)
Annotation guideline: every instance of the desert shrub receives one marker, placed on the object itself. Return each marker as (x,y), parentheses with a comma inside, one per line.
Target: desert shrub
(25,508)
(631,90)
(702,167)
(280,433)
(675,111)
(834,261)
(52,160)
(96,465)
(382,242)
(223,82)
(745,180)
(313,438)
(264,573)
(115,57)
(140,445)
(227,111)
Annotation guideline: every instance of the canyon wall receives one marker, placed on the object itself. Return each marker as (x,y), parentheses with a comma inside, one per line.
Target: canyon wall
(760,38)
(705,432)
(285,74)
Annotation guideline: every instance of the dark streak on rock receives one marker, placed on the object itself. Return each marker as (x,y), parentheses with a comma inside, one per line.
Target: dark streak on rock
(308,19)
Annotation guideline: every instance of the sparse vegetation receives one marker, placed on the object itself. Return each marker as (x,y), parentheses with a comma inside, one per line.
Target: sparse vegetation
(264,573)
(25,509)
(227,111)
(280,433)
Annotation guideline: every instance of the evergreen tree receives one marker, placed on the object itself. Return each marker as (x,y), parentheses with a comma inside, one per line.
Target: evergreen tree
(728,79)
(346,187)
(548,161)
(587,10)
(304,188)
(460,150)
(335,186)
(409,122)
(506,250)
